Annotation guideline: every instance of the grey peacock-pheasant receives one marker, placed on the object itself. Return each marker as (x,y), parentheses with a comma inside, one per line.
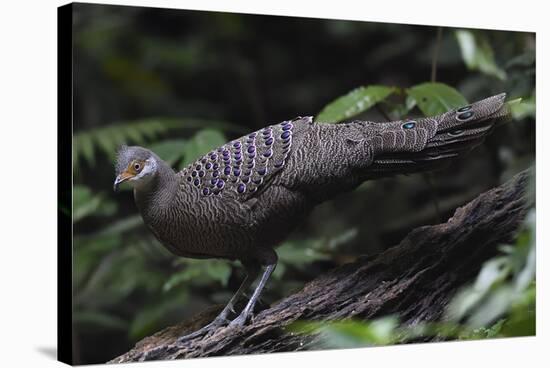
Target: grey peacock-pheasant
(241,200)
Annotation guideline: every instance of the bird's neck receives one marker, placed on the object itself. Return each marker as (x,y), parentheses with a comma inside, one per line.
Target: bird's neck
(158,194)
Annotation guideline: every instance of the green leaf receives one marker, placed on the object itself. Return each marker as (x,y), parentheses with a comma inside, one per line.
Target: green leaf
(88,254)
(298,253)
(85,203)
(345,334)
(493,331)
(477,54)
(202,142)
(180,277)
(504,288)
(354,103)
(513,103)
(493,272)
(526,59)
(170,150)
(83,146)
(435,98)
(520,324)
(522,108)
(524,258)
(81,195)
(218,271)
(494,306)
(202,271)
(522,319)
(341,238)
(109,138)
(113,273)
(120,226)
(151,317)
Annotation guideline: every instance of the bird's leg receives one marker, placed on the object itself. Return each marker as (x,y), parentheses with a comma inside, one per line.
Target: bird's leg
(252,272)
(247,311)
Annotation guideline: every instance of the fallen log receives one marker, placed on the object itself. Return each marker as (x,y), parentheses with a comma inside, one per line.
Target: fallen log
(414,280)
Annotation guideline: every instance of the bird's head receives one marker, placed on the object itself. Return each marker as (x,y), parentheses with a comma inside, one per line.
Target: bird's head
(135,165)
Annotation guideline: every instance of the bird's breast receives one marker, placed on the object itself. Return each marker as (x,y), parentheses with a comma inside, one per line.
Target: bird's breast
(200,229)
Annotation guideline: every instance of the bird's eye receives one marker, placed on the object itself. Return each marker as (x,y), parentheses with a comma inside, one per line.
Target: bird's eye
(409,125)
(137,166)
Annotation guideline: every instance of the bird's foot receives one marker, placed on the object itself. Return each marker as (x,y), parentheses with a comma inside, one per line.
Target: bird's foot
(240,321)
(206,331)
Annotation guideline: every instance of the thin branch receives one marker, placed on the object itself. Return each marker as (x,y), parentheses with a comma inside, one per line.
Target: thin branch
(435,54)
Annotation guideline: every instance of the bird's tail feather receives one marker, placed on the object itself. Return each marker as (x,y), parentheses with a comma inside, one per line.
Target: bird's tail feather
(456,132)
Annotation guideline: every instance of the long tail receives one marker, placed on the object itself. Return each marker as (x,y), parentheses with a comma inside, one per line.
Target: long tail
(332,158)
(431,142)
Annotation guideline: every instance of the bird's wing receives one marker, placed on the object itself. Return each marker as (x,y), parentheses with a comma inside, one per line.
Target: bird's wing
(242,168)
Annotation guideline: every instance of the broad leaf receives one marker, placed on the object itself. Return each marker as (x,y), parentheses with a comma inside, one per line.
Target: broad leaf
(522,108)
(170,150)
(354,103)
(200,144)
(107,139)
(478,54)
(350,333)
(120,226)
(151,317)
(298,253)
(201,272)
(435,98)
(86,203)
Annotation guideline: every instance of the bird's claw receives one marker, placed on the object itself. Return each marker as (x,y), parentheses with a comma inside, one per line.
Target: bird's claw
(206,331)
(240,321)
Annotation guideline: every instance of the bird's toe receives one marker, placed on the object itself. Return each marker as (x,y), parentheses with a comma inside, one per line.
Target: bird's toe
(240,321)
(207,330)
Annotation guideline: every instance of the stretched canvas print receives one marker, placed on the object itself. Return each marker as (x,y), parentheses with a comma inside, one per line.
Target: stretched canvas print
(238,184)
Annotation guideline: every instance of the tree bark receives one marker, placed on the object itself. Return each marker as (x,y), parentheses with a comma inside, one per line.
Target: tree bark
(414,280)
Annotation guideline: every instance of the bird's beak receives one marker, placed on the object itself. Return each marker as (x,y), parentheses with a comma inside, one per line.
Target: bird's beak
(121,178)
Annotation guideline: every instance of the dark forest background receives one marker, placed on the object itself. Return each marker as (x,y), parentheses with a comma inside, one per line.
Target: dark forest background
(182,82)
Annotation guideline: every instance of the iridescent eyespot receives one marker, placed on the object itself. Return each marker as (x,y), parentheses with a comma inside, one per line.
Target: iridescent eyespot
(465,115)
(409,125)
(455,133)
(464,109)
